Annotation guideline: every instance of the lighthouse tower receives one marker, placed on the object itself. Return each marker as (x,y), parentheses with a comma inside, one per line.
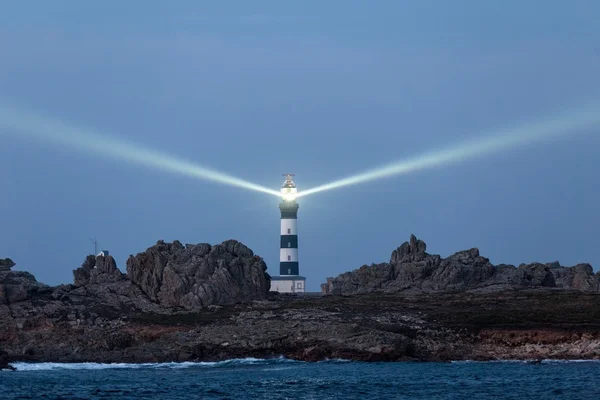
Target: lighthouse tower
(289,279)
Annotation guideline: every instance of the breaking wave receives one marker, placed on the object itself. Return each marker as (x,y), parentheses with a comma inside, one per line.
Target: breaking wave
(49,366)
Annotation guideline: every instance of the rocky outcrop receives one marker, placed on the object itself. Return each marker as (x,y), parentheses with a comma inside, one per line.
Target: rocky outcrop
(6,264)
(16,286)
(166,279)
(579,277)
(97,270)
(196,276)
(412,269)
(4,365)
(413,250)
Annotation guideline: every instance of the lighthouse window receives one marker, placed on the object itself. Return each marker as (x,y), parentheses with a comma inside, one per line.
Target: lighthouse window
(289,271)
(299,286)
(289,258)
(289,231)
(289,244)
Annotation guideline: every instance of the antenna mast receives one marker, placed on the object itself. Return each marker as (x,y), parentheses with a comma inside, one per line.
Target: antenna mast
(95,245)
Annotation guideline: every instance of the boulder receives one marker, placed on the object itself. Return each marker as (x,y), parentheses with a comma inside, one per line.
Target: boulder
(196,276)
(6,264)
(17,286)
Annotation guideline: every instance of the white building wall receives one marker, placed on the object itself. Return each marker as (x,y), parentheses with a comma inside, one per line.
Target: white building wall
(284,253)
(291,224)
(285,286)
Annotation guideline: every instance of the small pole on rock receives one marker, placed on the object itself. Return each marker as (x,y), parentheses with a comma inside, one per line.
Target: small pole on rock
(95,245)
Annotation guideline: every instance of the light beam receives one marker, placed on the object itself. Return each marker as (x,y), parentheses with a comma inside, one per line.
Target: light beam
(561,125)
(13,120)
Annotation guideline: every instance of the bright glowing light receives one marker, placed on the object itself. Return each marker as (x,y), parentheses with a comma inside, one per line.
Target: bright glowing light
(564,124)
(26,123)
(289,197)
(289,191)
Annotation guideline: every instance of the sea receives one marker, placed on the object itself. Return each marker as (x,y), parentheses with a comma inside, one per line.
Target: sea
(286,379)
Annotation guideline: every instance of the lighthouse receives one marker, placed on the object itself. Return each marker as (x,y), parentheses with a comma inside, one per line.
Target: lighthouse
(289,279)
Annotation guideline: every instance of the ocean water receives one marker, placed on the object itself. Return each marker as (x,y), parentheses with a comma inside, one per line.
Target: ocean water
(286,379)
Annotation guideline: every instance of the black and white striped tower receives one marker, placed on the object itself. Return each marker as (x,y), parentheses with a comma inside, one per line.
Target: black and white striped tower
(288,255)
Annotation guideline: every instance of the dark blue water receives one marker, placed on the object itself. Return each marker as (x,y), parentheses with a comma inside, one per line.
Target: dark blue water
(284,379)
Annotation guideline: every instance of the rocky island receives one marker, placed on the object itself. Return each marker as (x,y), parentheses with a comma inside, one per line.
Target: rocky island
(212,302)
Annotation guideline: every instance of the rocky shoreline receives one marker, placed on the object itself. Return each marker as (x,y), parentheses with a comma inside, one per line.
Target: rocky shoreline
(4,365)
(519,325)
(210,303)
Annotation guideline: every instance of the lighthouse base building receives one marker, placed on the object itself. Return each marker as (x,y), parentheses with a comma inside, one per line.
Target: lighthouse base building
(288,284)
(289,279)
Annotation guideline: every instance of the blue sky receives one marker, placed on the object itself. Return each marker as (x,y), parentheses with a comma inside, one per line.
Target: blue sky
(322,89)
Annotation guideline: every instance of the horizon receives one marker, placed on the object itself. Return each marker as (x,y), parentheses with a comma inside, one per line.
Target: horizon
(328,91)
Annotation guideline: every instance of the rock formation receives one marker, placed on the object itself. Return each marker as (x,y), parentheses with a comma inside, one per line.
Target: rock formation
(4,365)
(6,264)
(16,285)
(166,277)
(203,302)
(97,270)
(412,269)
(196,276)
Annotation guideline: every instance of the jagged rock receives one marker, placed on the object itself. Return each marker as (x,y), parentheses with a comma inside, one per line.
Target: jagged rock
(193,277)
(81,275)
(412,269)
(6,264)
(413,250)
(196,276)
(537,275)
(461,271)
(579,277)
(366,279)
(4,361)
(17,286)
(97,270)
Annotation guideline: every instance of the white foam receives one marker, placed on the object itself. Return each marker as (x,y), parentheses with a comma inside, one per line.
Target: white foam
(22,366)
(569,361)
(337,360)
